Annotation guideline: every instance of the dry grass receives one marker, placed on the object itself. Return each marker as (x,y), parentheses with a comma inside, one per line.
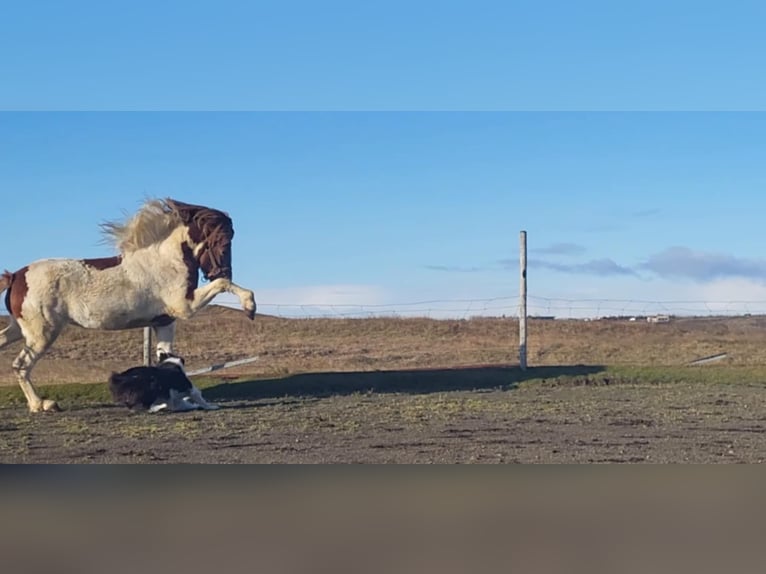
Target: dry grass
(287,346)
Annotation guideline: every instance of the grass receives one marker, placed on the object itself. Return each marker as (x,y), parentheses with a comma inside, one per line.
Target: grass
(434,382)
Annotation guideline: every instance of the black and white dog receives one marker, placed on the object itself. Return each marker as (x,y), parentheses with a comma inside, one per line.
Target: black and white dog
(164,386)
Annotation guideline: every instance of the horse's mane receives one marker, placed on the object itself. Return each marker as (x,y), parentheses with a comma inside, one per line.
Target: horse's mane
(157,219)
(152,223)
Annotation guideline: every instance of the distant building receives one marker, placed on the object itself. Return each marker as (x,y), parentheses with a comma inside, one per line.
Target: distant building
(658,319)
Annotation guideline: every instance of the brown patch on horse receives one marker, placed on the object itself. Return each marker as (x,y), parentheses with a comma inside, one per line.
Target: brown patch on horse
(102,263)
(16,285)
(216,229)
(192,270)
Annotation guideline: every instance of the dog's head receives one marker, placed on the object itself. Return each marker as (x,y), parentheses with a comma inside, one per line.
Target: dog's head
(169,360)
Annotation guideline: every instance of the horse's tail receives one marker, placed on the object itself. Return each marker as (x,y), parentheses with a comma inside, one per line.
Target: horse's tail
(5,280)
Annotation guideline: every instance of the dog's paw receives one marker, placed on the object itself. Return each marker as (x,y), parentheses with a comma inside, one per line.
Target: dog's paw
(187,404)
(157,407)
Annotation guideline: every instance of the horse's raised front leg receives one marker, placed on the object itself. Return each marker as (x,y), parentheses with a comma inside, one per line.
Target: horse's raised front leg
(204,295)
(246,299)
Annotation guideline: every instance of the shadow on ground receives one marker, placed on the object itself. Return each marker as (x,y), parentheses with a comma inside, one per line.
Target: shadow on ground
(415,381)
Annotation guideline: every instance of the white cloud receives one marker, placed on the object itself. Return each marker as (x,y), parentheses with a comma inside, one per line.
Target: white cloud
(601,267)
(580,296)
(453,268)
(682,262)
(314,300)
(731,295)
(563,248)
(343,294)
(645,213)
(630,296)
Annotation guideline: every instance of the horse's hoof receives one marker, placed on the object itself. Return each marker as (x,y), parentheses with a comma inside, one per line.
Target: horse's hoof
(44,406)
(50,406)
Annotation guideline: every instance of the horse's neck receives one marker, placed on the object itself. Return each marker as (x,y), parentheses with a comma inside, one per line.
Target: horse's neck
(164,253)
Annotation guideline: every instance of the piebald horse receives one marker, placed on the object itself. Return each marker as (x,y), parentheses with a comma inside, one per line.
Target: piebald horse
(152,282)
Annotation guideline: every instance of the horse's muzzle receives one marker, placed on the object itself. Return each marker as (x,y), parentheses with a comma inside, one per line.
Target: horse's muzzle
(224,273)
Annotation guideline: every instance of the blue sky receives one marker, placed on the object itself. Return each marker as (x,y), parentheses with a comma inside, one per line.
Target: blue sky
(388,153)
(393,55)
(392,208)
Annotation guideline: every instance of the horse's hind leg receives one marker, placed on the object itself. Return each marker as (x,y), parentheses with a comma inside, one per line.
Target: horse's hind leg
(11,333)
(23,364)
(35,346)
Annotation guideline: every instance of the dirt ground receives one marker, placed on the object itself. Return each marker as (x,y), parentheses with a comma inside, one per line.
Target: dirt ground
(375,390)
(463,415)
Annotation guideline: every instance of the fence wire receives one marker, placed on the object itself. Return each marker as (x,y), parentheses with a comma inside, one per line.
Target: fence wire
(508,306)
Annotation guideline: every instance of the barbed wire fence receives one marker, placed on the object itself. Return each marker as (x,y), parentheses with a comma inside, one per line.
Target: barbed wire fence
(436,308)
(508,307)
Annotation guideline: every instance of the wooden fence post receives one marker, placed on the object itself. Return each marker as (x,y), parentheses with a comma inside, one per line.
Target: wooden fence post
(523,303)
(147,346)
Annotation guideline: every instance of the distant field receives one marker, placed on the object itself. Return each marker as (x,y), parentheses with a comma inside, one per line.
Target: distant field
(287,346)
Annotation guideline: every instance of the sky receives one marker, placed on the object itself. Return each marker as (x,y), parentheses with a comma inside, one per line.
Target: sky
(383,157)
(340,212)
(394,55)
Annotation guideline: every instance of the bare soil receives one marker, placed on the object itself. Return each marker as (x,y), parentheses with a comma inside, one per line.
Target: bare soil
(409,391)
(467,416)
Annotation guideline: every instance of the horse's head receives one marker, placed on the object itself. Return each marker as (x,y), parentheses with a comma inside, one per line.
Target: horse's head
(211,231)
